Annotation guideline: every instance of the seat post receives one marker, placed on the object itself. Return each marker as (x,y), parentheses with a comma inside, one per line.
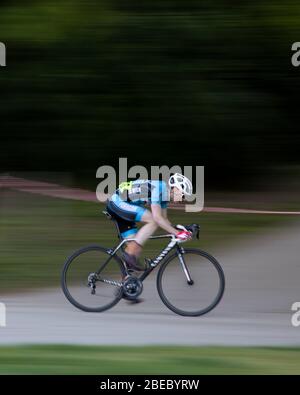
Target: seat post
(109,216)
(117,228)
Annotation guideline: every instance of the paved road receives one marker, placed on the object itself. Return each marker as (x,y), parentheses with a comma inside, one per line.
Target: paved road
(262,283)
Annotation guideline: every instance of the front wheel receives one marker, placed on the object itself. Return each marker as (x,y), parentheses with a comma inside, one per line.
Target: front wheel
(191,283)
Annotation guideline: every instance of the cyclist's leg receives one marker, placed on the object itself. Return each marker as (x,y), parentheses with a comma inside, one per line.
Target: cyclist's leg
(143,234)
(146,230)
(133,213)
(127,226)
(125,214)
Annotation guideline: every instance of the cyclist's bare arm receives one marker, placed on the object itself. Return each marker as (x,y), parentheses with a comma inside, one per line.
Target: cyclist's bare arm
(160,217)
(164,213)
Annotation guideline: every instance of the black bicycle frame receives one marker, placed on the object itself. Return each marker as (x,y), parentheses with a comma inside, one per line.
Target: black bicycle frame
(153,262)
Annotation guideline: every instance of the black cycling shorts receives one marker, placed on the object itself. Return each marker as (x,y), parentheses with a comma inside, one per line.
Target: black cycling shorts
(125,221)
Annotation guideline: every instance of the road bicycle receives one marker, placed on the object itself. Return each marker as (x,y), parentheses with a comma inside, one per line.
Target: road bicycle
(190,282)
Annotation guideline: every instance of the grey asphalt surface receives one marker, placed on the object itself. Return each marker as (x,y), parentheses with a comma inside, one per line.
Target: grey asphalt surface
(262,275)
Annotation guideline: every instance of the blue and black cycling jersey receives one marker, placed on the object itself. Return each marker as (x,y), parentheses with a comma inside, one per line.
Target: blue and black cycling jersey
(140,192)
(128,202)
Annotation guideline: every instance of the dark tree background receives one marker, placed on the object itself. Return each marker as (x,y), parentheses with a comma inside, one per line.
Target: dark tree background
(205,82)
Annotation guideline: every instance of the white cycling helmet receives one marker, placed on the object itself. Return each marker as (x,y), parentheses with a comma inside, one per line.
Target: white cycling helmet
(182,183)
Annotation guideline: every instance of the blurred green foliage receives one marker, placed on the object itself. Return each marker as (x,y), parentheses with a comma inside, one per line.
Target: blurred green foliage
(101,360)
(160,82)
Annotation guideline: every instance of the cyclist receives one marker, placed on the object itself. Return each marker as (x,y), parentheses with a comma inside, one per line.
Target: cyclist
(127,206)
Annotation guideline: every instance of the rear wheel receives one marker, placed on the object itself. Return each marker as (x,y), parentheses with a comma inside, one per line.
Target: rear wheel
(191,287)
(90,284)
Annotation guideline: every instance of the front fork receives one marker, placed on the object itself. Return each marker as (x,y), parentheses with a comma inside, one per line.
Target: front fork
(180,253)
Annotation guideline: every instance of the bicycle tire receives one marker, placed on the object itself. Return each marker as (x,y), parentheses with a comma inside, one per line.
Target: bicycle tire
(64,285)
(216,300)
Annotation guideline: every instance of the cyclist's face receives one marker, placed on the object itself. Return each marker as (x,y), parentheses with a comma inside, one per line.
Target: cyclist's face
(176,195)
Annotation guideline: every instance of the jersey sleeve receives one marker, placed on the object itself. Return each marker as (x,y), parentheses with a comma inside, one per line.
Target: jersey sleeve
(159,193)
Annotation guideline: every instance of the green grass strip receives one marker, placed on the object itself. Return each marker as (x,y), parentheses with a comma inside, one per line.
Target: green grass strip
(101,360)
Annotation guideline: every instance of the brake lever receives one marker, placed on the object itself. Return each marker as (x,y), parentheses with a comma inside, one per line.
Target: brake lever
(195,229)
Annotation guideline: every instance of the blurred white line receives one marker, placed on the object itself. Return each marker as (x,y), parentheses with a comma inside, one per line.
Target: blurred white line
(59,191)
